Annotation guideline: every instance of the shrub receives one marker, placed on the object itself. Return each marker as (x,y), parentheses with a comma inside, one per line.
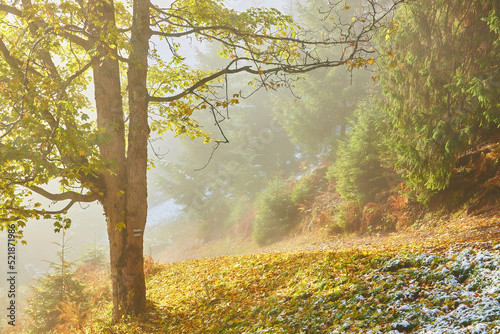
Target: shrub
(241,216)
(304,190)
(398,205)
(349,217)
(372,218)
(45,304)
(211,220)
(94,257)
(276,213)
(151,267)
(243,228)
(330,174)
(98,286)
(57,292)
(334,229)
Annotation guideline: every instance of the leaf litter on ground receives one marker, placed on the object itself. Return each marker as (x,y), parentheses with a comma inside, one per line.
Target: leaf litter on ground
(441,288)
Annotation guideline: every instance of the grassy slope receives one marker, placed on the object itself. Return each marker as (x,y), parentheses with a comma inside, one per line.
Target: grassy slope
(431,280)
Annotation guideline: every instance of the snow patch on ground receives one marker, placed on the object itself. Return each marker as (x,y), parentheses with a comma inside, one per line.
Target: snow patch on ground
(465,299)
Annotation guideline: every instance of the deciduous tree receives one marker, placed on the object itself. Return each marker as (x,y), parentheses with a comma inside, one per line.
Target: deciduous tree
(52,51)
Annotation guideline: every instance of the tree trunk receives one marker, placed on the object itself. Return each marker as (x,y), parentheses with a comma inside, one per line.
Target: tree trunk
(124,187)
(137,157)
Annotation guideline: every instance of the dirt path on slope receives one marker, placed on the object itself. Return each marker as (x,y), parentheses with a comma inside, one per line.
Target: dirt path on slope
(434,232)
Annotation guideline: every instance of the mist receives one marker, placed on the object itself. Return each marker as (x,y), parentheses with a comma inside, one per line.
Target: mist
(88,227)
(262,136)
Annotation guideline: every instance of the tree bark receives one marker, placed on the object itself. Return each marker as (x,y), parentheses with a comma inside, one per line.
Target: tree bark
(137,156)
(124,187)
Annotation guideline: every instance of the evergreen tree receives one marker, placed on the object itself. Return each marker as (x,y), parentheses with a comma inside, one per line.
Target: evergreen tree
(317,120)
(276,212)
(215,183)
(213,187)
(316,111)
(358,170)
(441,85)
(54,288)
(94,256)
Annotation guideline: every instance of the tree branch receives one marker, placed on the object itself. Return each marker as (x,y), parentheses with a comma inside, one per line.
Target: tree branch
(64,31)
(237,33)
(290,69)
(79,72)
(10,10)
(37,212)
(193,29)
(199,84)
(71,195)
(63,210)
(14,63)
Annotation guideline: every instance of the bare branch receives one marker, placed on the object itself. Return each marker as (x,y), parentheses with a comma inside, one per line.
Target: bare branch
(216,146)
(193,29)
(234,31)
(290,69)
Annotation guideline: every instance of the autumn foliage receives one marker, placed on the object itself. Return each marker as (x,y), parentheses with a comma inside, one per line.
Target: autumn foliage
(350,291)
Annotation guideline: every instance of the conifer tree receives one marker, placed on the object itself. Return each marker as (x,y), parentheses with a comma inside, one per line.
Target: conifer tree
(441,85)
(54,288)
(358,170)
(316,109)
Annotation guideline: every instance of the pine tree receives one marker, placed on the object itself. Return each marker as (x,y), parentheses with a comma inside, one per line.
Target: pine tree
(276,212)
(317,111)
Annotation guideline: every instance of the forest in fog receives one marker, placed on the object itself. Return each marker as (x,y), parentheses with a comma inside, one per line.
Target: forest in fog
(144,143)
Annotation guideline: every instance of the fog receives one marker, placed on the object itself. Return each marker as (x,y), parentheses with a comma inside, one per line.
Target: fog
(201,190)
(335,132)
(88,223)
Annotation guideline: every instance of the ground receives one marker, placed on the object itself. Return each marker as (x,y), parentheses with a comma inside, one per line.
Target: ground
(445,229)
(439,276)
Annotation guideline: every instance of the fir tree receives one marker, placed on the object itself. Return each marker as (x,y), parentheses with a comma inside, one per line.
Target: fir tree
(56,288)
(358,170)
(441,85)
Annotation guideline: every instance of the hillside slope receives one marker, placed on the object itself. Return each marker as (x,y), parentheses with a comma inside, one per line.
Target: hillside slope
(458,212)
(433,279)
(458,227)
